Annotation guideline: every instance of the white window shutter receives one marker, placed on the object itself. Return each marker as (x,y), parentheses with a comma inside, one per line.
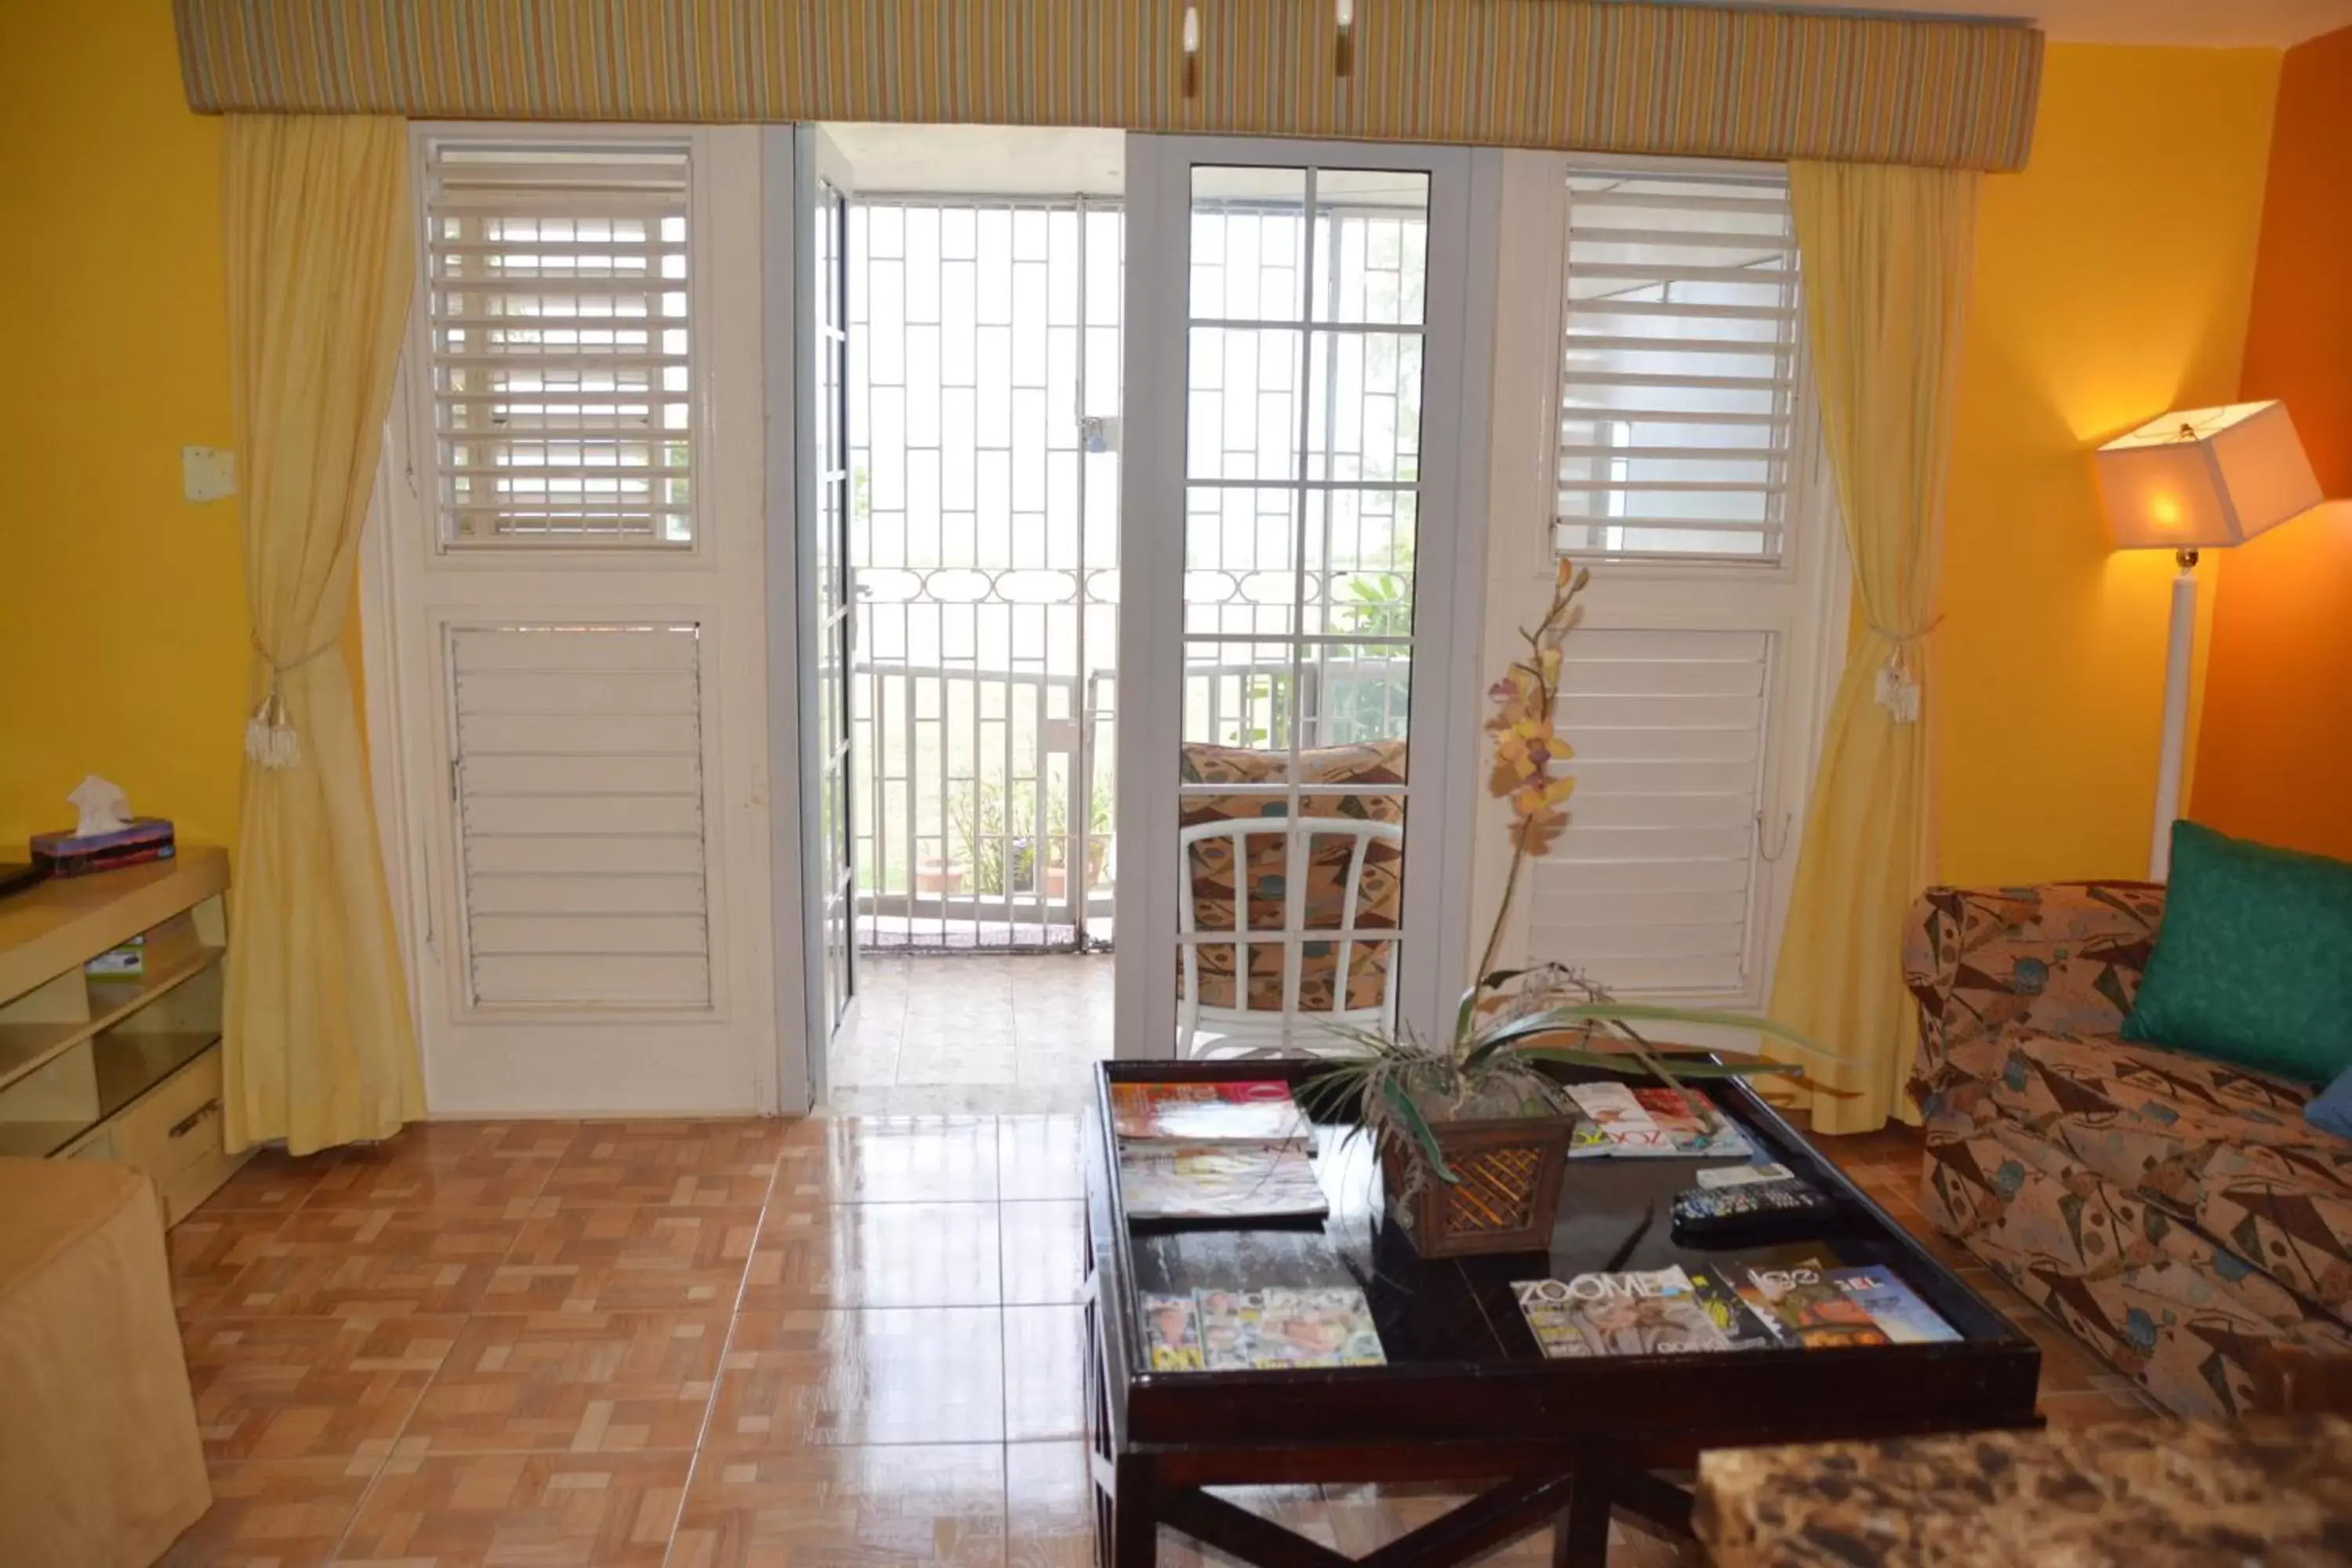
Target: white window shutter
(580,799)
(1679,373)
(1689,480)
(558,295)
(1651,888)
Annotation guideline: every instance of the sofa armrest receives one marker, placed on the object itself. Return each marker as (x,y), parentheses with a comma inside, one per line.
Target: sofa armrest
(2063,958)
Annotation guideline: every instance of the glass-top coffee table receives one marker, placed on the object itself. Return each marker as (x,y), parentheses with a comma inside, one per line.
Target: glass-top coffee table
(1466,1396)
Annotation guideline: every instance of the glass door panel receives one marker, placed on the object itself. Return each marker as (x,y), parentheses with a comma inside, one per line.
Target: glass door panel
(1301,472)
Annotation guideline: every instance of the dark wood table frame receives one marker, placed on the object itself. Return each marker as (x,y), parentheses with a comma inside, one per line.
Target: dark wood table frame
(1572,1440)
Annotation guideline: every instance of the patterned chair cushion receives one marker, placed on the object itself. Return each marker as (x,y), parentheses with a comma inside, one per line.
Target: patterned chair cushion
(2217,1146)
(1380,896)
(2157,1298)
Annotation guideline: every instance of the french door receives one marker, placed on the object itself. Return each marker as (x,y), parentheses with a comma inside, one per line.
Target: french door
(827,620)
(1299,539)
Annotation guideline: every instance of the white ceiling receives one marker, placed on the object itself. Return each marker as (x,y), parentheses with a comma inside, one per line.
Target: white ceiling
(2212,23)
(993,159)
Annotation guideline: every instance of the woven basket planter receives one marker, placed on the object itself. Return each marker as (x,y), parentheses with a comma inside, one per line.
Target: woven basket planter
(1506,1198)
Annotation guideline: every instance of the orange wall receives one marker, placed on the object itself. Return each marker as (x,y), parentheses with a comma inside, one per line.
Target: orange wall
(2112,278)
(2274,758)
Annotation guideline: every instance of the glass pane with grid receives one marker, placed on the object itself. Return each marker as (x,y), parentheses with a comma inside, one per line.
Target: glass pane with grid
(1679,368)
(559,299)
(1302,467)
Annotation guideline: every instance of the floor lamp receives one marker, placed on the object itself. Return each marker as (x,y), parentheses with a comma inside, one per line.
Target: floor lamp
(2202,479)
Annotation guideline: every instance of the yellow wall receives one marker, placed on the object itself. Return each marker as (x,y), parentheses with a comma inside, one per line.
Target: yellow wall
(122,638)
(2113,279)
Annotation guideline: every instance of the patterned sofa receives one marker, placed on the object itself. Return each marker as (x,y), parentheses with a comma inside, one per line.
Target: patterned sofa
(2179,1214)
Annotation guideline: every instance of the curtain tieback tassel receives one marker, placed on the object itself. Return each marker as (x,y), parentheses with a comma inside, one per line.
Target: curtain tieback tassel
(269,737)
(1898,689)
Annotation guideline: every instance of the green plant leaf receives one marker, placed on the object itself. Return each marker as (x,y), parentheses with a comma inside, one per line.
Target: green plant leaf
(1467,1014)
(1405,1109)
(1572,1014)
(1632,1065)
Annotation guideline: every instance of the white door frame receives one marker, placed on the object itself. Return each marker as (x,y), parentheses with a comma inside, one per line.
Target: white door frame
(572,1060)
(1449,566)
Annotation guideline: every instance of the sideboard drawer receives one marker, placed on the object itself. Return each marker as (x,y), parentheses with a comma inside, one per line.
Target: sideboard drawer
(176,1124)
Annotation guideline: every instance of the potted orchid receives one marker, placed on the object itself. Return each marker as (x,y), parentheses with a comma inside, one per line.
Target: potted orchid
(1472,1133)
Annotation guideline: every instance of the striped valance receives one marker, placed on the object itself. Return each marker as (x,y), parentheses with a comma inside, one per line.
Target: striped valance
(1596,75)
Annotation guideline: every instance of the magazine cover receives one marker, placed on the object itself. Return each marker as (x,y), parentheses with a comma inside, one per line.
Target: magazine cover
(1653,1123)
(1893,1306)
(1550,1311)
(1613,1122)
(1693,1125)
(1610,1105)
(1653,1313)
(1229,1327)
(1251,1110)
(1326,1327)
(1261,1330)
(1218,1181)
(1806,1307)
(1732,1317)
(1171,1333)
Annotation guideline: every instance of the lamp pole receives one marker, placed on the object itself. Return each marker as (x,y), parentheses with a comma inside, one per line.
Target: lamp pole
(2179,645)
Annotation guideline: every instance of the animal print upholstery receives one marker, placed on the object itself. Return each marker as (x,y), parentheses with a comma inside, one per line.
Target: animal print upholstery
(2178,1214)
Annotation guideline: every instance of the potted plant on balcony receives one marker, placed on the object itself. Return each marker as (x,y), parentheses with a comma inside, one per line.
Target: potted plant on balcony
(1472,1134)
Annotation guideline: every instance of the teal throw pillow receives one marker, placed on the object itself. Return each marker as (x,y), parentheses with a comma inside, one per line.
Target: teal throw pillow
(2253,964)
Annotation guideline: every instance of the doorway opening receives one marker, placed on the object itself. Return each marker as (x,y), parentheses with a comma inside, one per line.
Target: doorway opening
(984,273)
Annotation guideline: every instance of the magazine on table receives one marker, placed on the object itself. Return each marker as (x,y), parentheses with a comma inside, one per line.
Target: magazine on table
(1805,1307)
(1655,1122)
(1260,1330)
(1230,1180)
(1254,1110)
(1734,1319)
(1657,1313)
(1893,1306)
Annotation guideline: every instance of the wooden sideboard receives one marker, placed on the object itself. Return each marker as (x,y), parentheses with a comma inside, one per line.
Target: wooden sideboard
(118,1067)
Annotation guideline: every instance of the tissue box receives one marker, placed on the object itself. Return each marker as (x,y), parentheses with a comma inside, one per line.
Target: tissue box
(63,854)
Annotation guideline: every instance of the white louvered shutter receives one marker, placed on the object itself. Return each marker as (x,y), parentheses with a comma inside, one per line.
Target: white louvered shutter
(1654,887)
(1678,386)
(560,297)
(1688,482)
(580,815)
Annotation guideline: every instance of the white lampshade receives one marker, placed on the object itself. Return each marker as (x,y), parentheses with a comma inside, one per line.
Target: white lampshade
(2205,477)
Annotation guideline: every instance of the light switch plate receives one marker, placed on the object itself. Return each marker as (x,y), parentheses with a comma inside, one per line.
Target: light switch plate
(207,473)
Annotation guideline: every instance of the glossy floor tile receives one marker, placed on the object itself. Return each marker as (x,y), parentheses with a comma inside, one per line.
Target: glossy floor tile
(920,1505)
(983,1032)
(584,1510)
(849,1339)
(580,1383)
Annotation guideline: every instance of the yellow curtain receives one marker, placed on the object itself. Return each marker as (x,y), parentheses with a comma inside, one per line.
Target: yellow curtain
(318,1045)
(1887,253)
